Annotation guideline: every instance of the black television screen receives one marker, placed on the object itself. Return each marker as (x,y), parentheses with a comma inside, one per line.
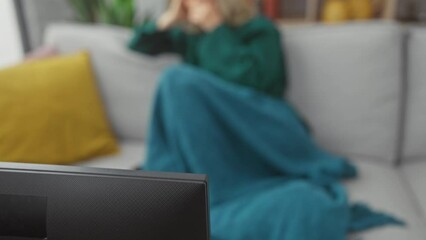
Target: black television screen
(70,203)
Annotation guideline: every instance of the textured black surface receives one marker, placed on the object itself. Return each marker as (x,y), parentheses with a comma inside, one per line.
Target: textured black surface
(23,216)
(114,205)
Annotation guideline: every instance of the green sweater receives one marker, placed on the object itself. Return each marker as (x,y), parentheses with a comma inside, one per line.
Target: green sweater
(250,55)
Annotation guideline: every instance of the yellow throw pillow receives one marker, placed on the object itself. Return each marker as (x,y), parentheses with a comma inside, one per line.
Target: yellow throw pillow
(51,112)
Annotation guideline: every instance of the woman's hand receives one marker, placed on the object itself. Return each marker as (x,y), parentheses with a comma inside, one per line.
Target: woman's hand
(207,16)
(172,16)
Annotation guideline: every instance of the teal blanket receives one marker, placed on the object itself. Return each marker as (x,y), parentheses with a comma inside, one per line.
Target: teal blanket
(268,180)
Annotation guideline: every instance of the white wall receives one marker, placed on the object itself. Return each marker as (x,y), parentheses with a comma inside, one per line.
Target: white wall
(10,41)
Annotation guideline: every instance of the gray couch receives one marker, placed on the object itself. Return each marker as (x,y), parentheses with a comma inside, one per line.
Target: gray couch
(361,86)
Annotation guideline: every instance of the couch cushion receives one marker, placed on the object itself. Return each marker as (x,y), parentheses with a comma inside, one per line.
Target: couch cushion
(127,80)
(345,80)
(52,113)
(384,189)
(131,156)
(415,175)
(415,135)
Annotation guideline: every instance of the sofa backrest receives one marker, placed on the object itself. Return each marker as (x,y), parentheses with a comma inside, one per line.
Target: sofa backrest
(346,80)
(127,80)
(415,122)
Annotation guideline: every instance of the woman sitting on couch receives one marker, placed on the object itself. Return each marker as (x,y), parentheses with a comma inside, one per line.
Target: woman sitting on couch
(222,114)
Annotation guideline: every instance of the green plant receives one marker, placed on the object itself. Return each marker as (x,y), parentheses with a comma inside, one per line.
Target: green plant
(84,10)
(116,12)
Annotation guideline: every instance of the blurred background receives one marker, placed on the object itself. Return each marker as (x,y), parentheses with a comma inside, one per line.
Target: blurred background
(355,70)
(23,22)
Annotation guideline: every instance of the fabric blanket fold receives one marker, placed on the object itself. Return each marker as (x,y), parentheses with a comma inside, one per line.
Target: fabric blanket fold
(268,180)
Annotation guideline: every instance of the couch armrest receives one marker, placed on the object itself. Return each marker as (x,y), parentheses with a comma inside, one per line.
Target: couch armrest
(127,80)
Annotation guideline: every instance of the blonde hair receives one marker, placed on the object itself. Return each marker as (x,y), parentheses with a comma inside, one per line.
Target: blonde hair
(235,12)
(238,12)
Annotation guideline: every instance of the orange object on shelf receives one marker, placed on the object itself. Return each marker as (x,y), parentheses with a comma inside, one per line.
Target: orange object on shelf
(361,9)
(336,11)
(272,9)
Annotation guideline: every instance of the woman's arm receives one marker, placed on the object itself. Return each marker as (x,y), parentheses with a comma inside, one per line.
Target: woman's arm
(251,56)
(159,37)
(149,39)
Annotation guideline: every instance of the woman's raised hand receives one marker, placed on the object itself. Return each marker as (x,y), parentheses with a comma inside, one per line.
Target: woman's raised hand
(174,14)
